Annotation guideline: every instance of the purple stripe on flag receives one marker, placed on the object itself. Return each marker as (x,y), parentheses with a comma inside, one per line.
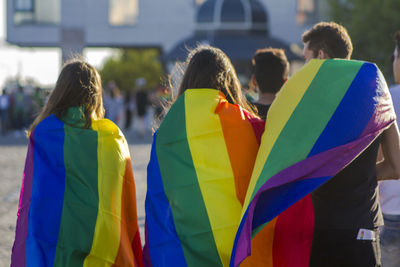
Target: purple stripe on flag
(18,257)
(146,254)
(383,116)
(324,164)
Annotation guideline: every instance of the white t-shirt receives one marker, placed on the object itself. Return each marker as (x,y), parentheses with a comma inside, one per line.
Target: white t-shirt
(389,191)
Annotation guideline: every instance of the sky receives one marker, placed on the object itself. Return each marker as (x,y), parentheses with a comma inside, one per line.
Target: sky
(14,59)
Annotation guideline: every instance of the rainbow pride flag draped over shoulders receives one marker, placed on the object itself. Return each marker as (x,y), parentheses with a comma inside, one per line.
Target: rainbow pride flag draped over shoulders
(324,116)
(201,162)
(78,202)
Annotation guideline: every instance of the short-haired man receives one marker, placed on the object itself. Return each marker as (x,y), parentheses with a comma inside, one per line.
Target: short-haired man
(270,71)
(389,191)
(327,40)
(347,211)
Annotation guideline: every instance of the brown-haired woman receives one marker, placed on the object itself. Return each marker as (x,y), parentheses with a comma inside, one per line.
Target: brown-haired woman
(201,162)
(77,203)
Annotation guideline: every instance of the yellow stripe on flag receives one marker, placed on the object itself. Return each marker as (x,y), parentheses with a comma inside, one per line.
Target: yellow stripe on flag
(213,169)
(111,168)
(294,90)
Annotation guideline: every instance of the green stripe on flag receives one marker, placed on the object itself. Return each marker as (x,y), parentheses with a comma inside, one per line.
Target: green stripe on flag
(81,198)
(183,191)
(310,116)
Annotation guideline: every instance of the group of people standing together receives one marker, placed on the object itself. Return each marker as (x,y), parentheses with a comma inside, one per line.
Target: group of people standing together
(78,203)
(16,108)
(131,109)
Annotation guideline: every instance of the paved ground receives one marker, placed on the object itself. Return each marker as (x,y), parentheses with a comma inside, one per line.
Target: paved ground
(12,157)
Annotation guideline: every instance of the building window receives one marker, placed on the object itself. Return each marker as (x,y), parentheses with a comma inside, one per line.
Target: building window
(123,12)
(23,5)
(306,11)
(37,11)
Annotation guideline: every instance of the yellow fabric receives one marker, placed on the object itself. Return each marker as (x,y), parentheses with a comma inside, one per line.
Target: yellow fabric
(111,168)
(298,86)
(213,169)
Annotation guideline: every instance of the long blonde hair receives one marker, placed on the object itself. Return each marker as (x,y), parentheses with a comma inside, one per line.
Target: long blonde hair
(78,85)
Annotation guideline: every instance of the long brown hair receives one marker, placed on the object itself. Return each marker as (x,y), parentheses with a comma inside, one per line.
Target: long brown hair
(209,67)
(79,85)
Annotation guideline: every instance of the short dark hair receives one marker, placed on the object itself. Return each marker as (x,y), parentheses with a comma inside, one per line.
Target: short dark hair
(329,37)
(270,68)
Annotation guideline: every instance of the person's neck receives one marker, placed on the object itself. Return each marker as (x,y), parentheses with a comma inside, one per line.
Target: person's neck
(266,98)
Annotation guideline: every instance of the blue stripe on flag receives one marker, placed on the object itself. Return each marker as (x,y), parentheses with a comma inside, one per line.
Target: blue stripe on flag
(356,100)
(274,201)
(47,193)
(164,245)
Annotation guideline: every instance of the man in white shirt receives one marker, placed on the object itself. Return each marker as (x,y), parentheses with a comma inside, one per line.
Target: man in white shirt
(390,190)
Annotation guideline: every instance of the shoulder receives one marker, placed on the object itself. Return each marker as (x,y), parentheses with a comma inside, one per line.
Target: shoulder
(50,123)
(106,127)
(110,135)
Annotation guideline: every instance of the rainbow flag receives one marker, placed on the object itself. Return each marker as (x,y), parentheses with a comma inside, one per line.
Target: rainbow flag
(324,116)
(78,202)
(201,162)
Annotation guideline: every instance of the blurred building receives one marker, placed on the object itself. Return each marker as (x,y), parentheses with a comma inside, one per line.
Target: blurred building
(73,25)
(76,24)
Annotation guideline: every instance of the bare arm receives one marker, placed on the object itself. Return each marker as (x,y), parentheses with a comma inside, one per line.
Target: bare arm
(389,167)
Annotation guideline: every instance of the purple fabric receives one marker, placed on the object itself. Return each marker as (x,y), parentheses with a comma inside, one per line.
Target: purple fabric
(314,167)
(384,114)
(146,254)
(18,257)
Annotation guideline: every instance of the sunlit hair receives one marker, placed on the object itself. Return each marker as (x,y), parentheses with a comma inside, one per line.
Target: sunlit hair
(209,67)
(329,37)
(79,85)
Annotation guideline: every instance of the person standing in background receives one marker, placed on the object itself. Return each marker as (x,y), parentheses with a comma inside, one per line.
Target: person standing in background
(142,102)
(129,106)
(270,71)
(78,198)
(19,108)
(389,191)
(4,107)
(346,208)
(114,104)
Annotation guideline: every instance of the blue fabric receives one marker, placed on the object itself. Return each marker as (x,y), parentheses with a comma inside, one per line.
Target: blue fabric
(242,222)
(363,89)
(274,201)
(48,185)
(163,242)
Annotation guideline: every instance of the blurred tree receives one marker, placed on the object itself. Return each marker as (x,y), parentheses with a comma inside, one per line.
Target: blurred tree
(129,64)
(371,25)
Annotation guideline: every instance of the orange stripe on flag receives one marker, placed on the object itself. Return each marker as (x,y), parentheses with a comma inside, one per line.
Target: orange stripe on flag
(241,144)
(130,250)
(262,247)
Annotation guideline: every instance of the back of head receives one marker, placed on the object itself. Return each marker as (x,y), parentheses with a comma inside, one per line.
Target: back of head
(331,38)
(78,85)
(209,67)
(270,69)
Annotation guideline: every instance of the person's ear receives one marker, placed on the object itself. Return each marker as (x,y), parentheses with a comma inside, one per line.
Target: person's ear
(322,54)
